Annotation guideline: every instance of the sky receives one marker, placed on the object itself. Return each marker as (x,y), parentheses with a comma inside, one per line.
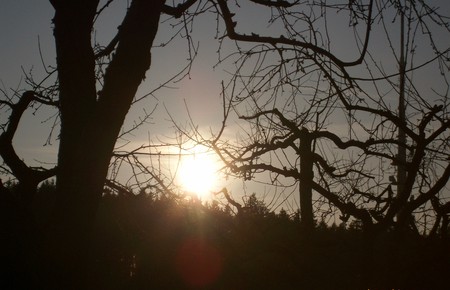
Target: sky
(27,46)
(26,31)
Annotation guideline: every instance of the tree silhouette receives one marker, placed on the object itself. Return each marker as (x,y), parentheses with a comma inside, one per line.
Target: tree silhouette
(307,115)
(96,86)
(90,122)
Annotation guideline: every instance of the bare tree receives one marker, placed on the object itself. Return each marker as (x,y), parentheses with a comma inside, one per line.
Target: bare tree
(330,125)
(96,86)
(90,123)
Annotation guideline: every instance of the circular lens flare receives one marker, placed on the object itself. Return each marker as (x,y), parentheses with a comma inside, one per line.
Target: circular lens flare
(198,262)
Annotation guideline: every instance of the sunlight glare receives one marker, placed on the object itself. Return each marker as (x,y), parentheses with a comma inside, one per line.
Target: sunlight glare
(198,174)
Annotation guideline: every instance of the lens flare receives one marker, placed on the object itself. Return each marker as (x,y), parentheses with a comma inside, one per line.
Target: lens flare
(198,262)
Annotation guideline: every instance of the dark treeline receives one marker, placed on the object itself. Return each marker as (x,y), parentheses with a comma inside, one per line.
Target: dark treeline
(144,241)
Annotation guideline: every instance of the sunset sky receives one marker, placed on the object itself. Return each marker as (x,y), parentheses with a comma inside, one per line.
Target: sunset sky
(26,31)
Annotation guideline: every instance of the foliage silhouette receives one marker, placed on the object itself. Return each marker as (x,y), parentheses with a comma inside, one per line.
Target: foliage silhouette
(138,239)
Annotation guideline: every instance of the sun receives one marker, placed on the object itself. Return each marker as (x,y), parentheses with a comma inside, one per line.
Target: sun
(198,174)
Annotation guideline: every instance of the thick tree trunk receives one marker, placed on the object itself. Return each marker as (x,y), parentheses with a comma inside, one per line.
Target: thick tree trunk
(90,125)
(80,174)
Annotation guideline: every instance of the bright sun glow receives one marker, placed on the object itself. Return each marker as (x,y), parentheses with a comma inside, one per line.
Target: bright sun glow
(198,174)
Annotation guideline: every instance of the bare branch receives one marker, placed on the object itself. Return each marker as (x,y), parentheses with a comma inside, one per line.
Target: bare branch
(178,11)
(232,34)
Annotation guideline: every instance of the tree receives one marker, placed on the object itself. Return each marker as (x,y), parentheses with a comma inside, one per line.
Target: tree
(255,207)
(93,105)
(328,123)
(90,119)
(332,126)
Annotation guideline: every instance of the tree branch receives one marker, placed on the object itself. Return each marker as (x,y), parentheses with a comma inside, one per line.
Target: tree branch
(18,167)
(346,208)
(178,11)
(232,34)
(277,3)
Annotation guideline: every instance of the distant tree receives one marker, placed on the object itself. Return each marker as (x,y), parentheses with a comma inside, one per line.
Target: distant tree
(255,207)
(283,214)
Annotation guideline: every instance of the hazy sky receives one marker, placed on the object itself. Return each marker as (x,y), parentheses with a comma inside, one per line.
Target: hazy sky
(26,25)
(27,45)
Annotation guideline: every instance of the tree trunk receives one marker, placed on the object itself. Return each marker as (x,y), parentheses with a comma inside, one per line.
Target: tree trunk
(90,125)
(401,156)
(306,178)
